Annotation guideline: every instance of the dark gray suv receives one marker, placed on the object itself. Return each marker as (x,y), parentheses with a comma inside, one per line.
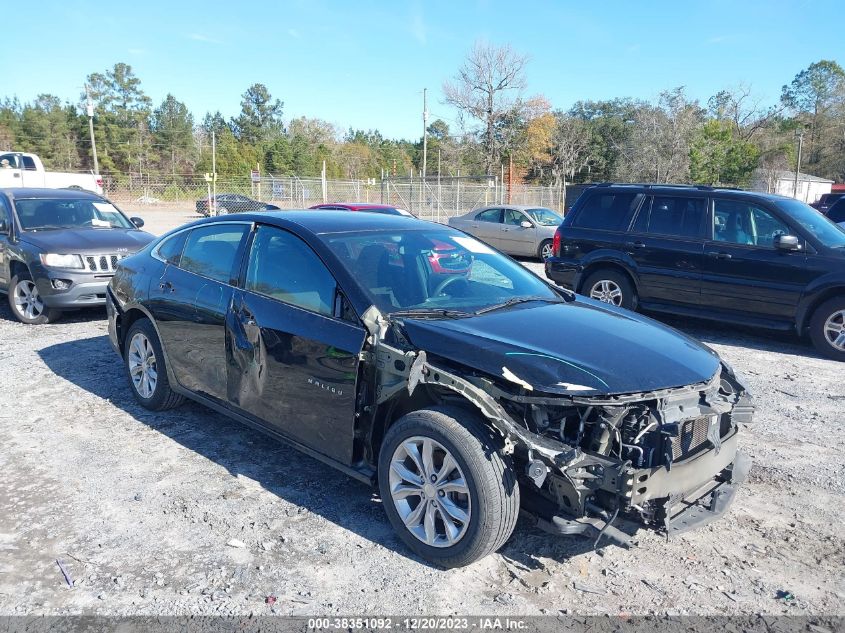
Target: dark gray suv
(59,249)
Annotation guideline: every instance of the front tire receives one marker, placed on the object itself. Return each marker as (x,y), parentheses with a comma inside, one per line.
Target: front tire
(145,367)
(27,304)
(448,490)
(545,251)
(827,328)
(610,286)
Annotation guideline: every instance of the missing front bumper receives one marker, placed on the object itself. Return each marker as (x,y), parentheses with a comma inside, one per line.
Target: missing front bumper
(708,503)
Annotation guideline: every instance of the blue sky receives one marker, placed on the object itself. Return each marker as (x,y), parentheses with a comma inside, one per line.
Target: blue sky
(364,63)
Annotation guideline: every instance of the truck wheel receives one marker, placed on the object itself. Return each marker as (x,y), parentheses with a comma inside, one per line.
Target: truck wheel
(26,304)
(610,286)
(145,368)
(827,328)
(448,490)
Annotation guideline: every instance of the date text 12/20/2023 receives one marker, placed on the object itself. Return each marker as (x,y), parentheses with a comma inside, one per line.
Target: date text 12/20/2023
(419,623)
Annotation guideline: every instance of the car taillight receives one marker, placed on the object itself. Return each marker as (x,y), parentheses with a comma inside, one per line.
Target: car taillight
(99,181)
(556,243)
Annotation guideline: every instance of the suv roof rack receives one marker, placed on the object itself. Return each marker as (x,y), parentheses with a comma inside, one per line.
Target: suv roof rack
(649,185)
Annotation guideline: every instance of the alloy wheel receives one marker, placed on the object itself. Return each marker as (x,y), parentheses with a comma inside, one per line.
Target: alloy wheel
(429,491)
(834,330)
(28,302)
(142,365)
(546,251)
(607,291)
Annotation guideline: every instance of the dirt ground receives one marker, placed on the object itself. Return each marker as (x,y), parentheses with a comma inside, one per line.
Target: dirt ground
(187,512)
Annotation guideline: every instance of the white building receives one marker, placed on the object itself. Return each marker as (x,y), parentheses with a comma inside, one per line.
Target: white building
(810,188)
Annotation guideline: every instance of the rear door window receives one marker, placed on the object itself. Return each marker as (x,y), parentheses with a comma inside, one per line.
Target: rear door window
(490,215)
(676,216)
(170,250)
(211,251)
(608,211)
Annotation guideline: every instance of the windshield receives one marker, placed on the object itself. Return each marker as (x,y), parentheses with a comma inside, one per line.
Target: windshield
(434,270)
(544,217)
(825,231)
(40,214)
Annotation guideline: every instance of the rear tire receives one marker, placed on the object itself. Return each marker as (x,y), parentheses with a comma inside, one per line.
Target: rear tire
(827,328)
(146,370)
(610,286)
(26,304)
(545,250)
(478,485)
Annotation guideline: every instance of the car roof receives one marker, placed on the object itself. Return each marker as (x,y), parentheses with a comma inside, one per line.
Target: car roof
(518,207)
(330,221)
(355,206)
(23,193)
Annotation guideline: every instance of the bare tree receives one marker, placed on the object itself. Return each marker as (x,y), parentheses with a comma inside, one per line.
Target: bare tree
(570,149)
(744,109)
(488,87)
(657,148)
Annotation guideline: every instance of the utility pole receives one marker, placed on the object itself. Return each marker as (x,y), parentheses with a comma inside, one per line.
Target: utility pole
(90,110)
(800,135)
(214,170)
(425,134)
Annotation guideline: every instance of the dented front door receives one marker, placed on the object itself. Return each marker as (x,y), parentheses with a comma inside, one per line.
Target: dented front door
(293,367)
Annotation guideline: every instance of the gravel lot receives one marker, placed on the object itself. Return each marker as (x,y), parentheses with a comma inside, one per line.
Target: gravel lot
(187,512)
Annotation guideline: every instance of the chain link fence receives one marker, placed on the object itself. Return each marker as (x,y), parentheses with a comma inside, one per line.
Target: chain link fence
(430,198)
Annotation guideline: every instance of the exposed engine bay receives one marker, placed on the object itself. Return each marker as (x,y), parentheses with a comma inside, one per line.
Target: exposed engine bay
(667,458)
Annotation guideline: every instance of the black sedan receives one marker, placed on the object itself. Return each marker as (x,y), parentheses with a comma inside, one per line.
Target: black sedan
(463,396)
(232,203)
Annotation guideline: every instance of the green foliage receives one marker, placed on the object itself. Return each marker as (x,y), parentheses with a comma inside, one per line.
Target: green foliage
(717,157)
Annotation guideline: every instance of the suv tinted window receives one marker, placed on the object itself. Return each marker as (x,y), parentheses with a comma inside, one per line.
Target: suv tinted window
(170,250)
(211,250)
(836,213)
(670,215)
(490,215)
(284,267)
(608,211)
(738,222)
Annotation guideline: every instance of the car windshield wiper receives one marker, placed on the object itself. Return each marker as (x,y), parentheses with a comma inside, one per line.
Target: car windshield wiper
(427,313)
(515,301)
(49,227)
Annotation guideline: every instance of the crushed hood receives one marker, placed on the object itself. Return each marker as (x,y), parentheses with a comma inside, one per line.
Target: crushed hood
(88,240)
(574,348)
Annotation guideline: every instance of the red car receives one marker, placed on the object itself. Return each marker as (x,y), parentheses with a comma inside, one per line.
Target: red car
(363,206)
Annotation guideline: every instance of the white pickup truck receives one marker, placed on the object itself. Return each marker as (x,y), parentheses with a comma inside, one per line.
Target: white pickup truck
(18,169)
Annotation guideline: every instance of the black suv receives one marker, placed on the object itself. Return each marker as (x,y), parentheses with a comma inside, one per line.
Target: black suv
(724,254)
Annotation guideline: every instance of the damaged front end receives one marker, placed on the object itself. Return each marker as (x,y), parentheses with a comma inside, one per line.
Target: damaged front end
(664,458)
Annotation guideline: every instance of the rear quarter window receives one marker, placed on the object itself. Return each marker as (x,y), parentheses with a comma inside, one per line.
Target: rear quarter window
(607,211)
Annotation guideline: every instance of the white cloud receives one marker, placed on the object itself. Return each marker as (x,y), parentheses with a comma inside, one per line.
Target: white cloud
(199,37)
(417,26)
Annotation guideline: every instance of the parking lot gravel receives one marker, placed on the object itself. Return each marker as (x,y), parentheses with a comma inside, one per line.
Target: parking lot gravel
(106,508)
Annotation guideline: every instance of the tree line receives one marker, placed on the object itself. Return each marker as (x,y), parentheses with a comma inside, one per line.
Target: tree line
(672,138)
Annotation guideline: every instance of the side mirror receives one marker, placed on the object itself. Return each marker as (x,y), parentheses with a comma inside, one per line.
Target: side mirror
(787,243)
(526,224)
(4,227)
(138,222)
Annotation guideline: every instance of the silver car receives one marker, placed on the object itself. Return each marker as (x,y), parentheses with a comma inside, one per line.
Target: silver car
(513,229)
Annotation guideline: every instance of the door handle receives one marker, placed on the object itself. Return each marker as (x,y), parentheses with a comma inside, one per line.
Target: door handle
(166,285)
(635,244)
(718,255)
